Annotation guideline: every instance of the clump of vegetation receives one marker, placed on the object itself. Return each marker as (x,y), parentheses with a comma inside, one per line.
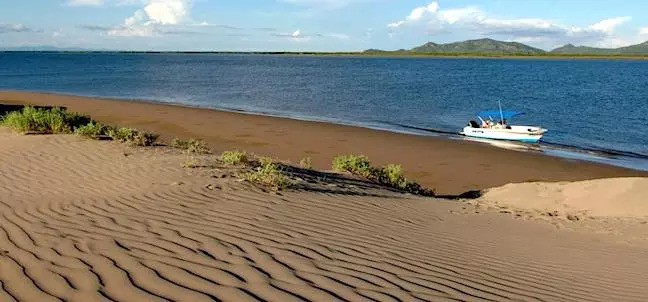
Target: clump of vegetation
(132,136)
(92,130)
(268,173)
(191,145)
(43,121)
(393,175)
(234,158)
(390,175)
(306,163)
(191,163)
(355,164)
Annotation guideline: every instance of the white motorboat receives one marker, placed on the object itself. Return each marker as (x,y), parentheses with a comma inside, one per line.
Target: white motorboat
(493,125)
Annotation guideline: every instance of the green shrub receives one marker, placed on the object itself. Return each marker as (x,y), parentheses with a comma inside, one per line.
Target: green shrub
(133,137)
(390,175)
(92,130)
(268,174)
(45,121)
(234,158)
(306,163)
(355,164)
(191,145)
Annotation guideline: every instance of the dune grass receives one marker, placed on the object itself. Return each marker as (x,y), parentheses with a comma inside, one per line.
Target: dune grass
(269,174)
(355,164)
(92,130)
(306,163)
(235,158)
(132,136)
(390,175)
(43,121)
(60,121)
(191,145)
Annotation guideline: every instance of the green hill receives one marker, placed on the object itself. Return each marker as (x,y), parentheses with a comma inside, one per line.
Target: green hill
(570,49)
(480,46)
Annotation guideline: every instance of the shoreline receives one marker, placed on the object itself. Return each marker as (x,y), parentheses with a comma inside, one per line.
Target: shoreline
(617,158)
(450,166)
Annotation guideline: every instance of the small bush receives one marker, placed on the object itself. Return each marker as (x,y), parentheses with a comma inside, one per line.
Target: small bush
(191,145)
(306,163)
(92,130)
(390,175)
(234,158)
(191,163)
(44,121)
(133,137)
(355,164)
(268,174)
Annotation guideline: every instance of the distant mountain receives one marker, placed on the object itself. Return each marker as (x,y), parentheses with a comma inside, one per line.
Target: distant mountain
(570,49)
(495,47)
(480,46)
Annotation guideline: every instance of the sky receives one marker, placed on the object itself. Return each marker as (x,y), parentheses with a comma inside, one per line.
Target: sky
(316,25)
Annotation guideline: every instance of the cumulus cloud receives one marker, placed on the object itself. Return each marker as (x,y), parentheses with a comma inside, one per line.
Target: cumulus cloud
(417,15)
(519,29)
(149,20)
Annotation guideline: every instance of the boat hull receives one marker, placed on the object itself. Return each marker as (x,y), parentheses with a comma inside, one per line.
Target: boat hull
(527,134)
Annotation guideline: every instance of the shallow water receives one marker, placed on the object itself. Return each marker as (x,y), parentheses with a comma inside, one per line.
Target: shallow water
(594,109)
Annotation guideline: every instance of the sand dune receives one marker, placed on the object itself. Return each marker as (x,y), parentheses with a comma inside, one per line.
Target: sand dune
(615,197)
(98,221)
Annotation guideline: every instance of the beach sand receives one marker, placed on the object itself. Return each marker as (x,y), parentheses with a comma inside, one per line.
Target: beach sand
(450,167)
(614,197)
(99,221)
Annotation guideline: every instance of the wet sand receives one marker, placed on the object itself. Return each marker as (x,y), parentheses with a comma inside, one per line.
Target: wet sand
(451,167)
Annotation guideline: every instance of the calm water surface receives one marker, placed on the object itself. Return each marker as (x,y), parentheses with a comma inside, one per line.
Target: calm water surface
(593,108)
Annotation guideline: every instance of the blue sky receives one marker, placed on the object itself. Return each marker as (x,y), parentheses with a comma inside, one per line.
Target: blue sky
(317,25)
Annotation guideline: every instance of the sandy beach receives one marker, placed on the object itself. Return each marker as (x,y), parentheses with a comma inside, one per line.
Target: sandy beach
(87,220)
(450,167)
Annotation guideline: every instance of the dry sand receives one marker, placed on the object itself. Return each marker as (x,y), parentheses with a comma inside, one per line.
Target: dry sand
(97,221)
(615,197)
(451,167)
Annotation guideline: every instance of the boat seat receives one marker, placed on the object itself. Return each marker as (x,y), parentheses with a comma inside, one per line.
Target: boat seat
(474,124)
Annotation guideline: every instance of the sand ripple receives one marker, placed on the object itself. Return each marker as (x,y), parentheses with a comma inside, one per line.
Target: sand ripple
(96,221)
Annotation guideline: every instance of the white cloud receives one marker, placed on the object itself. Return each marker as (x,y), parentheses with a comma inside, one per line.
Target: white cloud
(85,2)
(167,11)
(417,14)
(145,22)
(643,31)
(473,19)
(15,28)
